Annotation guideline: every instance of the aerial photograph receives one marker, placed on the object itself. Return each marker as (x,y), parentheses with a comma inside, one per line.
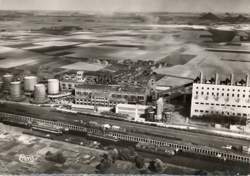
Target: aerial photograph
(129,87)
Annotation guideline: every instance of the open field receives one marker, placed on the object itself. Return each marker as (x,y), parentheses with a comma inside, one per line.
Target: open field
(35,38)
(84,66)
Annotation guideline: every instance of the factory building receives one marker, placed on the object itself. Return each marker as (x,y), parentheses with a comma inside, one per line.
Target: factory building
(134,111)
(109,96)
(69,81)
(227,98)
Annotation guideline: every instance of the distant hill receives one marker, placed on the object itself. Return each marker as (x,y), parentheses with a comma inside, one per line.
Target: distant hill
(235,19)
(209,16)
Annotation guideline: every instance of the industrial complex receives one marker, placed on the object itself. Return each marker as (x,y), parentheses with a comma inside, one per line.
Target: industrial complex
(175,92)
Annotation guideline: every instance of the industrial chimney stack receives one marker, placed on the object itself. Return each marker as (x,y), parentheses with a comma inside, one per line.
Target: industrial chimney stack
(217,79)
(247,80)
(232,79)
(201,77)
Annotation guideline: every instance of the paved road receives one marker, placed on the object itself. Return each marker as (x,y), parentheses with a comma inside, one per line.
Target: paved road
(187,136)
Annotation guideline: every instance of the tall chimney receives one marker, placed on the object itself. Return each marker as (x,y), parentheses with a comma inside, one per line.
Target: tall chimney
(247,80)
(217,79)
(232,79)
(201,77)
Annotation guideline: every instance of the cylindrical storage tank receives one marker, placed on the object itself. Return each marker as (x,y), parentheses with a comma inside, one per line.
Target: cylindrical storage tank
(29,83)
(1,85)
(53,86)
(15,89)
(7,78)
(40,92)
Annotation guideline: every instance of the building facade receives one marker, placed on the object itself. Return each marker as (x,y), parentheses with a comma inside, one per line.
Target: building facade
(134,111)
(108,96)
(214,98)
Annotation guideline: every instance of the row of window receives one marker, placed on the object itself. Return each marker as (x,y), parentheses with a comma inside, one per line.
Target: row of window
(223,89)
(222,94)
(228,105)
(220,113)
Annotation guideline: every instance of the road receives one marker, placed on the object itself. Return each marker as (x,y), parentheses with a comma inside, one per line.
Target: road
(186,136)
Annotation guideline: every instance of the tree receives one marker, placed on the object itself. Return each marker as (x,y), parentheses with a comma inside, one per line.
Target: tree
(156,166)
(139,162)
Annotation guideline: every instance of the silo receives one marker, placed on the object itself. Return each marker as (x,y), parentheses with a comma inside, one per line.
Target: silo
(40,93)
(160,108)
(7,78)
(29,83)
(53,86)
(15,90)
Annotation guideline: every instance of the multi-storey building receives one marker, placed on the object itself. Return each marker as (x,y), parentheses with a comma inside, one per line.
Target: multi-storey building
(228,99)
(109,96)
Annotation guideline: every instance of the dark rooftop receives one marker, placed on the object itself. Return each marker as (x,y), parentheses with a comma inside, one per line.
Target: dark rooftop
(113,88)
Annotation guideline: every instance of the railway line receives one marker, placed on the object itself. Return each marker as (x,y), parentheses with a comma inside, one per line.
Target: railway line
(133,137)
(76,119)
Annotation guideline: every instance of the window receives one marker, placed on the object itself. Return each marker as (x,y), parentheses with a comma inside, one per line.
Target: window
(228,94)
(222,94)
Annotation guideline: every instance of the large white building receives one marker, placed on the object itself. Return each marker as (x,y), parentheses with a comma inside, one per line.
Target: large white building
(132,110)
(232,99)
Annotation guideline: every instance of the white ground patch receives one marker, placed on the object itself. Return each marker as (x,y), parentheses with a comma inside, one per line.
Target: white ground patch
(84,66)
(56,43)
(9,63)
(6,49)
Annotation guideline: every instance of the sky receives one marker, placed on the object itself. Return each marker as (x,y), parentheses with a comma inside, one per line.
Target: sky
(107,6)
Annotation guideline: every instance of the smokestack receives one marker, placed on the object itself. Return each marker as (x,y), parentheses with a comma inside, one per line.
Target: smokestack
(201,77)
(247,80)
(232,79)
(216,78)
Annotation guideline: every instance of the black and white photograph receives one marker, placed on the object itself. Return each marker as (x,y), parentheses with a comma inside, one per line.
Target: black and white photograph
(125,87)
